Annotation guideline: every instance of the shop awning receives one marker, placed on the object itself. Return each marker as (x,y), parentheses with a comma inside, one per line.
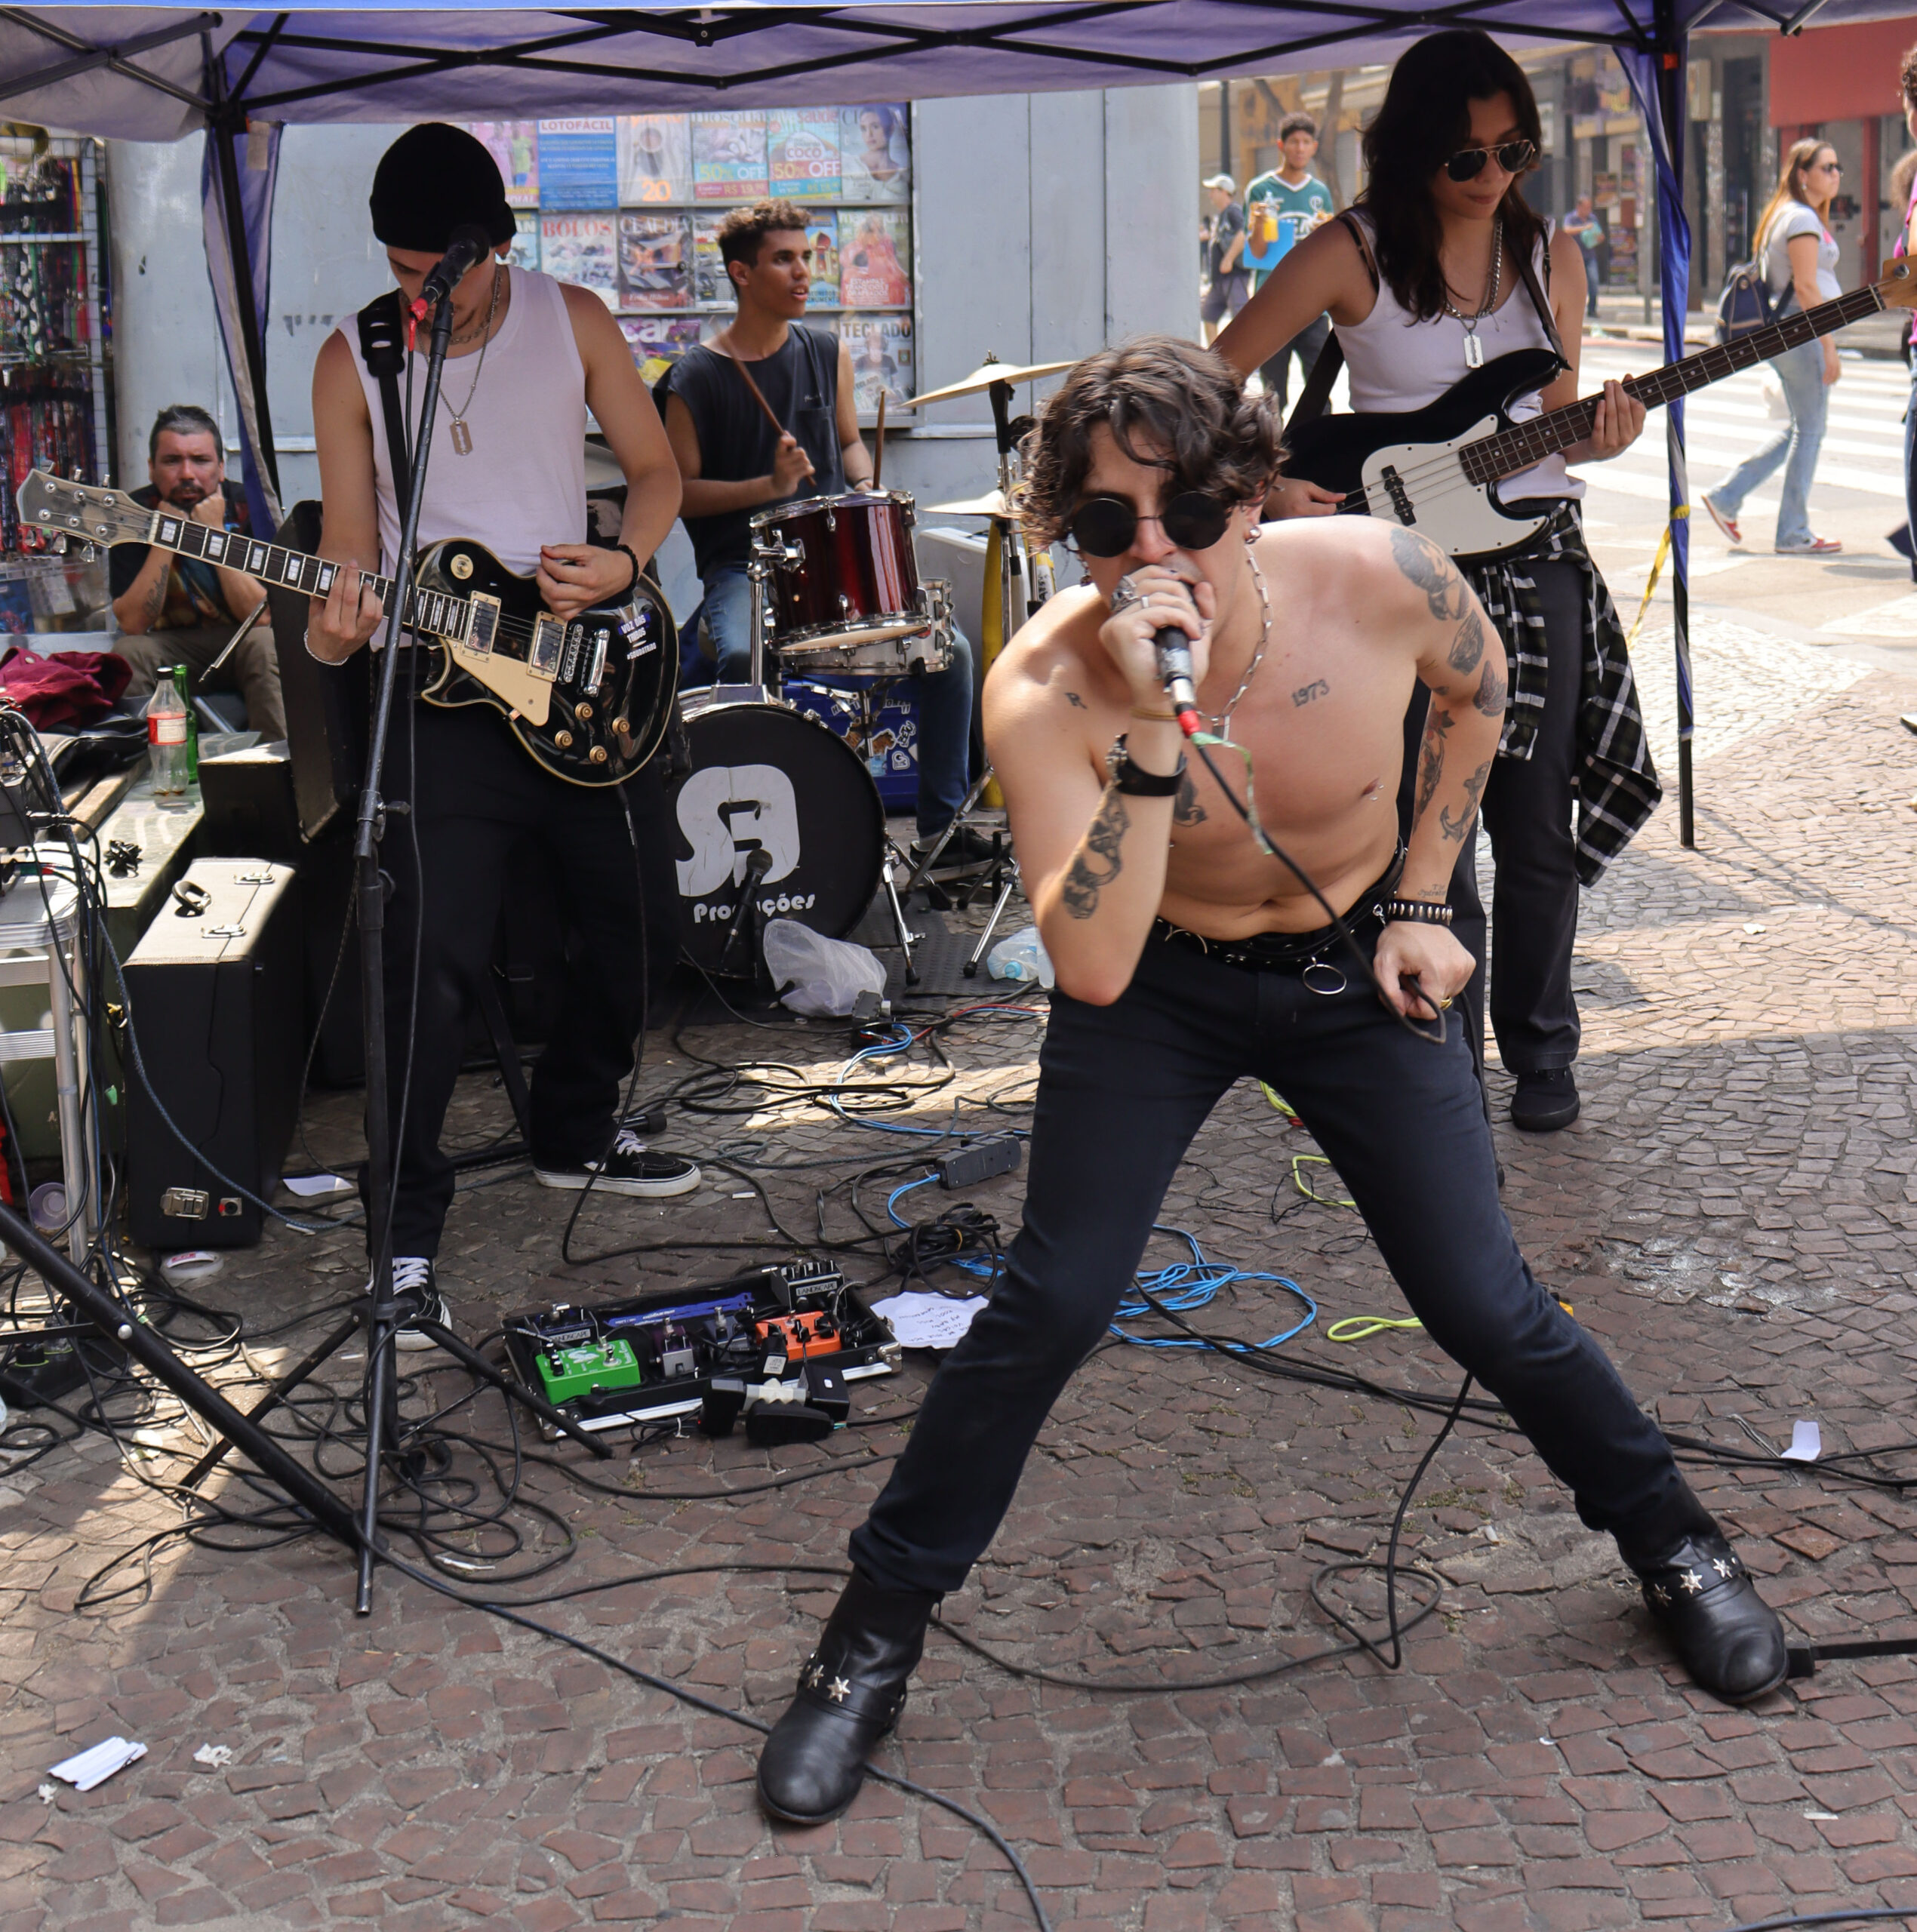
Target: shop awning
(137,73)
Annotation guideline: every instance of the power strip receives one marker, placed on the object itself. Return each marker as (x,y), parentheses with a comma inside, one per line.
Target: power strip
(984,1160)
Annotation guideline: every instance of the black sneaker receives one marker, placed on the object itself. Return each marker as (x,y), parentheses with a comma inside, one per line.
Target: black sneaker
(628,1169)
(414,1274)
(1546,1101)
(967,846)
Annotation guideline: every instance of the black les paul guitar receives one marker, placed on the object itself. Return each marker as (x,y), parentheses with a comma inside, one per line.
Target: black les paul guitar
(1437,469)
(588,698)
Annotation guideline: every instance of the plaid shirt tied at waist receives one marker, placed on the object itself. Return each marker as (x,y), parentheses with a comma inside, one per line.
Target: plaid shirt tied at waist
(1617,785)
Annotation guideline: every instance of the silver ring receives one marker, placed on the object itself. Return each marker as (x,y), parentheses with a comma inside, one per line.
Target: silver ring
(1125,594)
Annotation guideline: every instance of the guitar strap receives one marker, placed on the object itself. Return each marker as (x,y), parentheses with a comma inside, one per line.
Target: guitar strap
(1540,304)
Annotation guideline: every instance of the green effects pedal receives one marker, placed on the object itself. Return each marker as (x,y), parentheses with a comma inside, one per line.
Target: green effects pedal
(586,1366)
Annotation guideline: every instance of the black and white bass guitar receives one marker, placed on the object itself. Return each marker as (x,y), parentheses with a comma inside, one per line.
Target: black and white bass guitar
(588,698)
(1437,468)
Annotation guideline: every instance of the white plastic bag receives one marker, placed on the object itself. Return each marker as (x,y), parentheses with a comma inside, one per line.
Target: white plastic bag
(1021,955)
(820,977)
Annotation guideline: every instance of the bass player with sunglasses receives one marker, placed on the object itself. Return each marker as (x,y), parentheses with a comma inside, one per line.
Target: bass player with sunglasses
(1251,911)
(1440,269)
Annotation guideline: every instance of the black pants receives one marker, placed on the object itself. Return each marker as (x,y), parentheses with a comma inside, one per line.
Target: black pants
(1307,344)
(476,797)
(1122,1091)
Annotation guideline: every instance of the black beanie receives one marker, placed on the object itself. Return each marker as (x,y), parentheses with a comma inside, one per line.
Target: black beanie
(434,179)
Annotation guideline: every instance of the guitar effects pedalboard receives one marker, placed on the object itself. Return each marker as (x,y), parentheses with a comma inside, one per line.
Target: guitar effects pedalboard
(776,1347)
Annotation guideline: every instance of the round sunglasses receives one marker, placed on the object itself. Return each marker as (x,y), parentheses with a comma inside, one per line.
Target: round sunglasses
(1514,157)
(1105,526)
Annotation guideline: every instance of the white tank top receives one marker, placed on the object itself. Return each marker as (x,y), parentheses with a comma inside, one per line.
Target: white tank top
(523,482)
(1397,362)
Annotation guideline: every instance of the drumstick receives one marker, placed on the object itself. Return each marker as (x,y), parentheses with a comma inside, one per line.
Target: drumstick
(879,445)
(759,396)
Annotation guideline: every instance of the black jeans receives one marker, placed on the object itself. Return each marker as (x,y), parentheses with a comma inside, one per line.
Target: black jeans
(1122,1091)
(476,797)
(1307,344)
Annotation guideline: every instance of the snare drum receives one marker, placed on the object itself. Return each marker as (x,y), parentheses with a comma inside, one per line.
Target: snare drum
(920,651)
(842,572)
(766,776)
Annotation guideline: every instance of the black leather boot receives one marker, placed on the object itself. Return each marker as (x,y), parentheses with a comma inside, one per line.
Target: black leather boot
(1725,1635)
(851,1690)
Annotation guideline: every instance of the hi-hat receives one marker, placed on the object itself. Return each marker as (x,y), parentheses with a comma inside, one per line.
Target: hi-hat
(994,505)
(985,374)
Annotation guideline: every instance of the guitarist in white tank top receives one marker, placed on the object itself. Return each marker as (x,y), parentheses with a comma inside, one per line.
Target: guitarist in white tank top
(1425,283)
(530,356)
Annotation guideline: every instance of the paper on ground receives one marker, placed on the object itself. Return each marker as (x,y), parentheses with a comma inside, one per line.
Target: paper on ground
(921,1321)
(310,1187)
(97,1765)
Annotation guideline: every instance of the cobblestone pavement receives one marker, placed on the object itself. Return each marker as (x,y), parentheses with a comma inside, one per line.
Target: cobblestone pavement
(1732,1216)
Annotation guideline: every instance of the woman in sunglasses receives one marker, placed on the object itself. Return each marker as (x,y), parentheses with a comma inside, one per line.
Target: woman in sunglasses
(1426,279)
(1189,954)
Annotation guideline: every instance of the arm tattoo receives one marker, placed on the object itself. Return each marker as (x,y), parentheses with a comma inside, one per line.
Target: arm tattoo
(1097,861)
(1073,698)
(1490,692)
(1432,571)
(1469,645)
(156,597)
(1431,759)
(1185,809)
(1454,829)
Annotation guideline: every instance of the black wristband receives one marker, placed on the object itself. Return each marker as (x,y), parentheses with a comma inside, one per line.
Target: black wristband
(1418,912)
(1134,780)
(634,584)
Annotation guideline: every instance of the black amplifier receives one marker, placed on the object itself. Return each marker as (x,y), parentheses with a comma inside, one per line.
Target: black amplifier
(215,988)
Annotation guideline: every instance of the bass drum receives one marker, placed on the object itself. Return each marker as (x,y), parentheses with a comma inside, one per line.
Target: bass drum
(767,778)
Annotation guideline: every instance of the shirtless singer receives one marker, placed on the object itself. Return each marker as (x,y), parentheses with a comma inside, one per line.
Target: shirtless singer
(1187,957)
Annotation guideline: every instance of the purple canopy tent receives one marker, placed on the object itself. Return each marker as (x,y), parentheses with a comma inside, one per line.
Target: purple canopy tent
(141,73)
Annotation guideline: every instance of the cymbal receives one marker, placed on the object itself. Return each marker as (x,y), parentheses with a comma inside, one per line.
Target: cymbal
(985,375)
(994,505)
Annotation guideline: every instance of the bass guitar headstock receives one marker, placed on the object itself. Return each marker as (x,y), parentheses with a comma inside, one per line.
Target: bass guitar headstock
(80,512)
(1898,288)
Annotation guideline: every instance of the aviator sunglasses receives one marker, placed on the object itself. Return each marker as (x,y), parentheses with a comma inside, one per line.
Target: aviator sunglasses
(1104,526)
(1514,157)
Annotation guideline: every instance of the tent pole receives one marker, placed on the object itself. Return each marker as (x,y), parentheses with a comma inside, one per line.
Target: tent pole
(221,124)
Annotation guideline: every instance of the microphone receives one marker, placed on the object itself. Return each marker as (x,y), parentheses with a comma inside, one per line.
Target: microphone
(1174,654)
(469,246)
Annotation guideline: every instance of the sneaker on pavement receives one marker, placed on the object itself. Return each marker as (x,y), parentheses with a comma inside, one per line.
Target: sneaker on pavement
(1811,546)
(1728,524)
(414,1274)
(629,1168)
(967,846)
(1545,1102)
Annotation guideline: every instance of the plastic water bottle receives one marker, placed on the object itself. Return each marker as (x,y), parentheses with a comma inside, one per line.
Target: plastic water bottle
(192,724)
(1021,955)
(169,746)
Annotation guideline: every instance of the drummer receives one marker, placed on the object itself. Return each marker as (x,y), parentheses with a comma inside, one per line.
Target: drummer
(734,466)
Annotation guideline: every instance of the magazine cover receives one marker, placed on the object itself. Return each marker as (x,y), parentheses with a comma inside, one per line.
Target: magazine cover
(582,248)
(655,261)
(655,159)
(728,156)
(875,153)
(525,239)
(880,348)
(803,146)
(515,146)
(875,255)
(578,164)
(658,342)
(712,288)
(822,238)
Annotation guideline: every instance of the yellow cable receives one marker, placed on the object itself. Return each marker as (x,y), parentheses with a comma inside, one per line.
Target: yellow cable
(1311,1194)
(1682,511)
(1362,1327)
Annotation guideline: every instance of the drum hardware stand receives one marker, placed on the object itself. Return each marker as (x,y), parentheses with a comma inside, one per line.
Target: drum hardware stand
(1006,872)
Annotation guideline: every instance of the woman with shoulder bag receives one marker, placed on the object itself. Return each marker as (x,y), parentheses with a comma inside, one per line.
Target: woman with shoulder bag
(1799,255)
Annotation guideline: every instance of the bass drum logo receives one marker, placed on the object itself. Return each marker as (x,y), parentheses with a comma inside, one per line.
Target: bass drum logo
(725,811)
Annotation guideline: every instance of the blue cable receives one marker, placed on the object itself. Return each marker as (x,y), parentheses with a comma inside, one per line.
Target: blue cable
(1185,1285)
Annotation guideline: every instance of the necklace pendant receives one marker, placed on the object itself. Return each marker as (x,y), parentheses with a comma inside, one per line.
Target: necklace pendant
(462,437)
(1474,350)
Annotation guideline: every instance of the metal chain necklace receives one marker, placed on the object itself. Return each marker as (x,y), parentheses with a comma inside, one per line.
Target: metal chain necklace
(1474,349)
(1222,723)
(462,436)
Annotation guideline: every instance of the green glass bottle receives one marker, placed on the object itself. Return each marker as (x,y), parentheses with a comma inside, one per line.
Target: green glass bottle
(180,672)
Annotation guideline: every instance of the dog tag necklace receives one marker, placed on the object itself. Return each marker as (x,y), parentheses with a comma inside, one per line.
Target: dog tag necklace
(463,436)
(1474,349)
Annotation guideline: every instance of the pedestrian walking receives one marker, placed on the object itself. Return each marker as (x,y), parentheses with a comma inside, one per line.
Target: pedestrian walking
(1798,254)
(1586,226)
(1905,171)
(1230,287)
(1288,197)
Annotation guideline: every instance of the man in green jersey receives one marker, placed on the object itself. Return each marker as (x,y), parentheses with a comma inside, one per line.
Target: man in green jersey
(1289,189)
